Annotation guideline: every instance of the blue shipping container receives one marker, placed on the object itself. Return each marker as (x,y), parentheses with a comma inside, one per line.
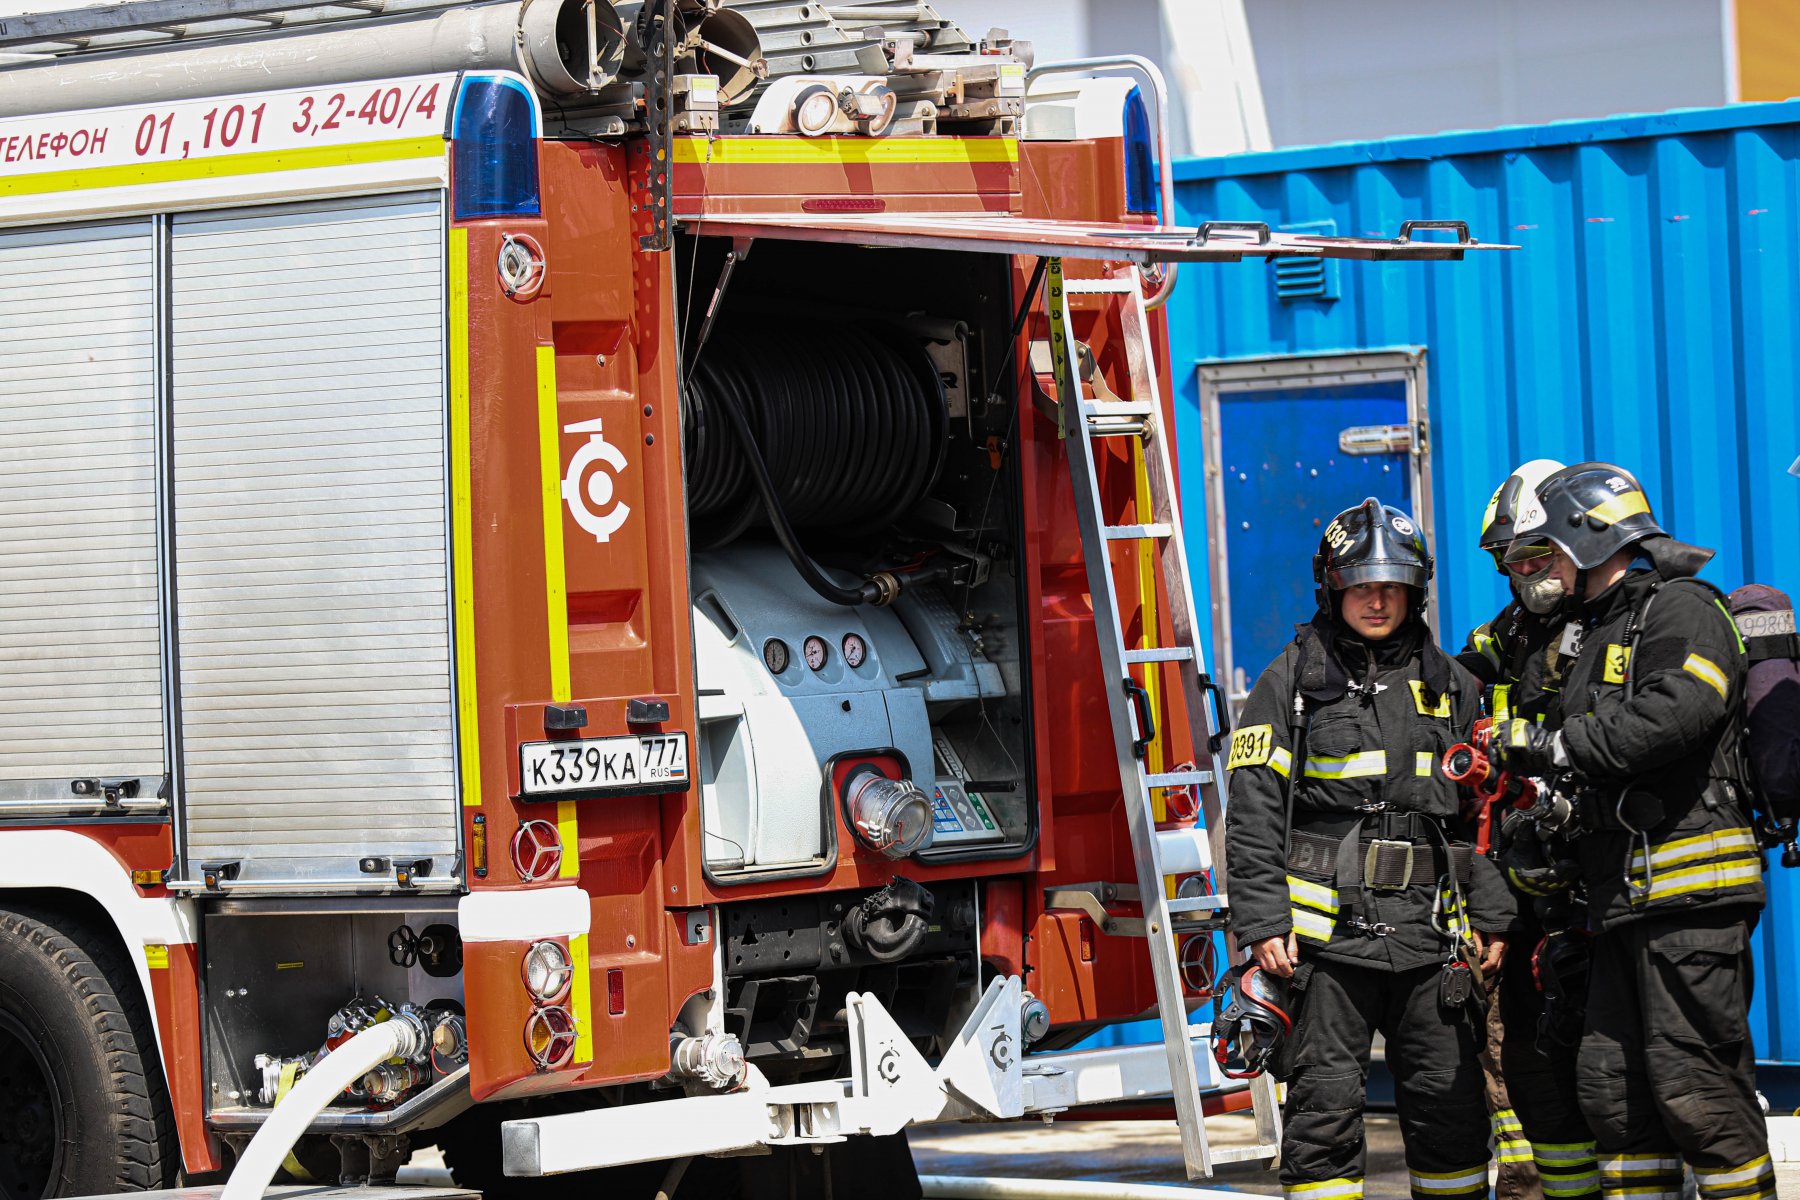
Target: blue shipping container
(1651,317)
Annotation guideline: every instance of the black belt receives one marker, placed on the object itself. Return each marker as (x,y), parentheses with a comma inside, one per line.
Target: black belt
(1388,863)
(1393,826)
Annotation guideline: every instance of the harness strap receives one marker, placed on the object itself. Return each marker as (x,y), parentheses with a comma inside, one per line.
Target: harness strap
(1387,864)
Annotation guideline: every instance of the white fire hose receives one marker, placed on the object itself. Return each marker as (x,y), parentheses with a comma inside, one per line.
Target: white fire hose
(397,1038)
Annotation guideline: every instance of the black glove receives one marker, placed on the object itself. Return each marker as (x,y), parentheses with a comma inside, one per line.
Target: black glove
(1528,862)
(1527,748)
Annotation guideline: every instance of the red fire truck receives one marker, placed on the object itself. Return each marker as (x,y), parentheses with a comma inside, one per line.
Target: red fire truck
(592,584)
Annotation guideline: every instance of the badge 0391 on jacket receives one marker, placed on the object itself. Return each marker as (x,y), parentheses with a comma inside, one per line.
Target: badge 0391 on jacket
(1352,870)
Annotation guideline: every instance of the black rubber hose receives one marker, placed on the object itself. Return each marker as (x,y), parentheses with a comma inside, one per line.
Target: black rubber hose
(809,570)
(889,925)
(850,423)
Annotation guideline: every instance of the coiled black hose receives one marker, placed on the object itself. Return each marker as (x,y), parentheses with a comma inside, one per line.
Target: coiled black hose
(848,422)
(889,925)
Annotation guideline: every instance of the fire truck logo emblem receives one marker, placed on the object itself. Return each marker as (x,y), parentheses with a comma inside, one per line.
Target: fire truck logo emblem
(588,486)
(1001,1052)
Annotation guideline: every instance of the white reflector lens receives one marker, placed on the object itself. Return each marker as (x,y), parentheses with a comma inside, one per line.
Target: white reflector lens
(816,113)
(547,971)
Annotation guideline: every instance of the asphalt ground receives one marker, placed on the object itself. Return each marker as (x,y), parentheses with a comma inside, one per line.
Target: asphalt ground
(1129,1152)
(1150,1152)
(1138,1152)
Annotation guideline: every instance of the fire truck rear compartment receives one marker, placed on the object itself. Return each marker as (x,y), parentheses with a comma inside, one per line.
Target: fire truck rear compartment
(287,982)
(877,390)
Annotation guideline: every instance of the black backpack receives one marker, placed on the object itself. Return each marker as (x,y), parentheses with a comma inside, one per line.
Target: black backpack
(1770,744)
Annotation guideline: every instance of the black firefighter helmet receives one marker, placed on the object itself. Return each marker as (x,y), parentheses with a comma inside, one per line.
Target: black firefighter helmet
(1250,1021)
(1589,511)
(1371,543)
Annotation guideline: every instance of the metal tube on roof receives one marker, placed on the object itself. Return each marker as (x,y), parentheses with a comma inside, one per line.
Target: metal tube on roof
(504,35)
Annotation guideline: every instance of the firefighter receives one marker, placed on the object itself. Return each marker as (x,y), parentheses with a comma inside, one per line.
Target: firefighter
(1352,872)
(1669,861)
(1520,657)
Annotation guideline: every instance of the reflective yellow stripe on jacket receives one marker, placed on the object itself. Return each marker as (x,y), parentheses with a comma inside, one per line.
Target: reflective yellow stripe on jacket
(1362,765)
(1502,702)
(1486,644)
(1724,858)
(1315,908)
(1708,672)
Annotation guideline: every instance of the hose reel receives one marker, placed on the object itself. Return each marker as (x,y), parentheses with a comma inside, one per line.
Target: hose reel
(849,420)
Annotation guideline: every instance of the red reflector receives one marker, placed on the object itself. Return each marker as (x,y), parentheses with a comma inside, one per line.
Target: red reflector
(843,204)
(615,992)
(1087,940)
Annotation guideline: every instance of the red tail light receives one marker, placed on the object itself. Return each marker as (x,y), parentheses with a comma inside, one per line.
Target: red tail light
(550,1037)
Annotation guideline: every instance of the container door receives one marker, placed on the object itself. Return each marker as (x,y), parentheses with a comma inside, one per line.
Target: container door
(311,555)
(1289,444)
(81,669)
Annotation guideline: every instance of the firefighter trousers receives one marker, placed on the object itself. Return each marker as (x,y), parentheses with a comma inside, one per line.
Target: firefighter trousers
(1545,1111)
(1517,1177)
(1667,1068)
(1431,1052)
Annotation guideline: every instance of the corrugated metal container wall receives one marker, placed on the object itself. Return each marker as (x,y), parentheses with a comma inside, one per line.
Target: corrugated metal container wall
(1650,317)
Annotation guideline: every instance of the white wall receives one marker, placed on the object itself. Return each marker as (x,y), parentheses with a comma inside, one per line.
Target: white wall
(1057,29)
(1335,70)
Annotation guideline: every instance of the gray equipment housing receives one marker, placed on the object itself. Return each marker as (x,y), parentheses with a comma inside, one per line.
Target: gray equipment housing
(766,737)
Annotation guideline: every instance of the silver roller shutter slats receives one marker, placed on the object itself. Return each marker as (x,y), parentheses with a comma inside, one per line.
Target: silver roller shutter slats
(310,543)
(81,692)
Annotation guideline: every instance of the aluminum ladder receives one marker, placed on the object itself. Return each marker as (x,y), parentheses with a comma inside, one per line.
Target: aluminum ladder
(1090,414)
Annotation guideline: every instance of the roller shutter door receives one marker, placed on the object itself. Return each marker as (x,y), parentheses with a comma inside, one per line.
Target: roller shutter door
(81,676)
(311,551)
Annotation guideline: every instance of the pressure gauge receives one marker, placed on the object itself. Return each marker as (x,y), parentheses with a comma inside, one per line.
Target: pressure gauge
(855,650)
(775,656)
(813,650)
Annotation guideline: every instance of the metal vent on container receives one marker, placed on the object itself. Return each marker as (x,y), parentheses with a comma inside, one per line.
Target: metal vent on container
(1307,278)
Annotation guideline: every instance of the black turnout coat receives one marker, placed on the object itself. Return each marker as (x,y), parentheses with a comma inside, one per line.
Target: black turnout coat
(1668,757)
(1376,728)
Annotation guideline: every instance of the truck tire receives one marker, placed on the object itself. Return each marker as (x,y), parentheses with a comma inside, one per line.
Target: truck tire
(82,1093)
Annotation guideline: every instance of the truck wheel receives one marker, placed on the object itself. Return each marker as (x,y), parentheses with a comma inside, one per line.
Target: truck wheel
(82,1094)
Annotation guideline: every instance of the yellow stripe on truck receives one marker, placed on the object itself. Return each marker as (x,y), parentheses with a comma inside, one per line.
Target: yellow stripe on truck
(462,531)
(556,596)
(568,828)
(755,151)
(581,998)
(257,162)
